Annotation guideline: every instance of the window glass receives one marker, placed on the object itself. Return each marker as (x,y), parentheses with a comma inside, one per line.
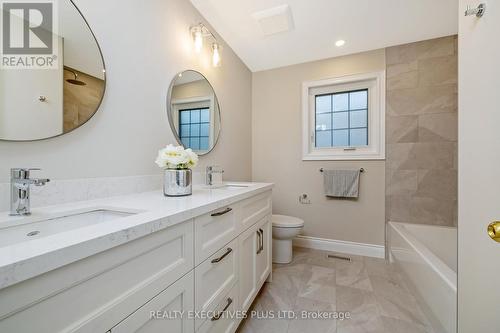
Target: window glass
(194,128)
(323,103)
(341,102)
(342,119)
(323,138)
(324,121)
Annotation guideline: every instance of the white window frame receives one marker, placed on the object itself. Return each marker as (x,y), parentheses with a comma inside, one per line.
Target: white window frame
(375,83)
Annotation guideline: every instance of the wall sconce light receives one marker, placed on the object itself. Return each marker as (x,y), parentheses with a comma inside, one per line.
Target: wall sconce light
(215,55)
(199,32)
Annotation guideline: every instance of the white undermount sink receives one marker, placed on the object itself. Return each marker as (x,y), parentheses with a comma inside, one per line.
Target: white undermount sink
(49,226)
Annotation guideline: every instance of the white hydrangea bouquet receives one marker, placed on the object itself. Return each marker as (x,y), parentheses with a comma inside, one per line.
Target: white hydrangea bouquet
(177,163)
(176,157)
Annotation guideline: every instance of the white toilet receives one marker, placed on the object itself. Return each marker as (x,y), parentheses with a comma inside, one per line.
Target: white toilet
(285,228)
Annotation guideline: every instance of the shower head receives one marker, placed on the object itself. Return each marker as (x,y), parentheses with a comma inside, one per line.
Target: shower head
(74,81)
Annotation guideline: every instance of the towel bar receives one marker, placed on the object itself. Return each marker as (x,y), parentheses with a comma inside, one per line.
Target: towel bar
(360,170)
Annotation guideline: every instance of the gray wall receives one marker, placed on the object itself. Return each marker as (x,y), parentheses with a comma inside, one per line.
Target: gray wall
(143,50)
(421,130)
(277,153)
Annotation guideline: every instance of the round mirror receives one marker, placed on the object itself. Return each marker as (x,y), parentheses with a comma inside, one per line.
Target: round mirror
(193,112)
(52,74)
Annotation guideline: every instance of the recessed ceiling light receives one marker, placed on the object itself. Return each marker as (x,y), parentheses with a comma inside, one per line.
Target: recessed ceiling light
(340,43)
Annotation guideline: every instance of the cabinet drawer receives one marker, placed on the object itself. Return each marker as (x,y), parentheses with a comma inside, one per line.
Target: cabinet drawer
(252,210)
(106,287)
(213,230)
(215,277)
(226,309)
(163,312)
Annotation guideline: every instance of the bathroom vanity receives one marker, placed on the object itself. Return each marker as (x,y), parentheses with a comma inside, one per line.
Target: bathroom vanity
(137,263)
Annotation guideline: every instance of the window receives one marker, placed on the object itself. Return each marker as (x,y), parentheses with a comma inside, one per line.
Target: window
(343,118)
(194,128)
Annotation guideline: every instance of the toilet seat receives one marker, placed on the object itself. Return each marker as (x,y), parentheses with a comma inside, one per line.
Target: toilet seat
(283,221)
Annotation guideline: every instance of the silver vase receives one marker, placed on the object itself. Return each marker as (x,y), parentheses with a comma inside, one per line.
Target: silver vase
(177,182)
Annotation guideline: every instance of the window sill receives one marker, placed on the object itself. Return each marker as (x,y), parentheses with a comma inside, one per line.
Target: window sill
(343,157)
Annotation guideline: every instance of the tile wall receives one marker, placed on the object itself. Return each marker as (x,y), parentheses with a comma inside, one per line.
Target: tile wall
(421,132)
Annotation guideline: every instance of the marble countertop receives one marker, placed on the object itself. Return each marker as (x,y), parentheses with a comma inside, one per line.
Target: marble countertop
(152,212)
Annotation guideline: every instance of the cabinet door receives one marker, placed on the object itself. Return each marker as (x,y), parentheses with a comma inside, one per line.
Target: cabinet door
(248,274)
(165,313)
(264,253)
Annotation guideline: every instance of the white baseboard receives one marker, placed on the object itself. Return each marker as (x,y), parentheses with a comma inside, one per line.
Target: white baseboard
(360,249)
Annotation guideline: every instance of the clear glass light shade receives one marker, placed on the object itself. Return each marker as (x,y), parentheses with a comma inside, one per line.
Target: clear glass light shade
(197,39)
(216,60)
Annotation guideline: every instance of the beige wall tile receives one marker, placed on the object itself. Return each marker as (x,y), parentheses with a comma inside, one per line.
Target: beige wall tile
(438,127)
(402,76)
(401,54)
(403,182)
(421,132)
(422,100)
(438,71)
(400,208)
(437,184)
(434,155)
(401,156)
(402,129)
(421,50)
(438,47)
(426,210)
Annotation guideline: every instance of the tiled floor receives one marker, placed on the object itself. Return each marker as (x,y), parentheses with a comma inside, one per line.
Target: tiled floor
(368,288)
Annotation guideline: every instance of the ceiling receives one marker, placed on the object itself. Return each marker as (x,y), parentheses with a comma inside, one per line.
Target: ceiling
(318,24)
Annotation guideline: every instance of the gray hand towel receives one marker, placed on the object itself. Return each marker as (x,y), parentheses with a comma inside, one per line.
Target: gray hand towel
(341,183)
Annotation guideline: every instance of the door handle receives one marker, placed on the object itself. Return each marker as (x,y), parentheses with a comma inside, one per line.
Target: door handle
(216,260)
(494,231)
(227,210)
(219,314)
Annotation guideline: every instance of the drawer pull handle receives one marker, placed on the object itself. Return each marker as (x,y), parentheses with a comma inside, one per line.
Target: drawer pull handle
(260,240)
(227,210)
(216,260)
(219,314)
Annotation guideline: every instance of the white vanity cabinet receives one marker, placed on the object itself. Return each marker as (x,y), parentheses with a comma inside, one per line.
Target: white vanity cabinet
(255,260)
(96,293)
(163,312)
(213,264)
(264,260)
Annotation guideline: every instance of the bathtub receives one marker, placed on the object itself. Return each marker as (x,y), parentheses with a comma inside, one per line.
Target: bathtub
(427,257)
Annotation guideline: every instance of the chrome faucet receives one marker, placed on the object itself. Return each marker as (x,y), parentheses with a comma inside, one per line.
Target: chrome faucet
(20,183)
(210,170)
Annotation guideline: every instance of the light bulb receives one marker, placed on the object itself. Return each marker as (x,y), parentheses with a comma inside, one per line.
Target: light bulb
(340,43)
(198,38)
(215,55)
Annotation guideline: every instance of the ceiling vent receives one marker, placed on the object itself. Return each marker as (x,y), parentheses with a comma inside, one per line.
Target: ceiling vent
(274,20)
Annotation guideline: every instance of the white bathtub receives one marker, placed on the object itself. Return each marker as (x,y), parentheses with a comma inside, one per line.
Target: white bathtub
(427,256)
